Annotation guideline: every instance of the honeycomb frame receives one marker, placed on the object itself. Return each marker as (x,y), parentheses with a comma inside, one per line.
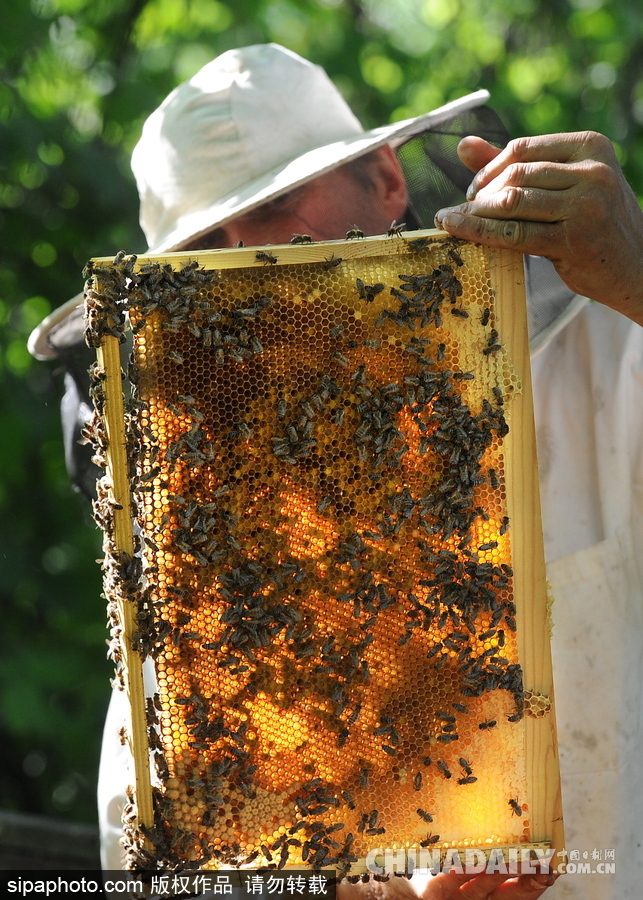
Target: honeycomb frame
(380,438)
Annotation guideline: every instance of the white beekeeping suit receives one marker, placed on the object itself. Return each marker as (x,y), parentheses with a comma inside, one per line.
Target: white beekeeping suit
(588,395)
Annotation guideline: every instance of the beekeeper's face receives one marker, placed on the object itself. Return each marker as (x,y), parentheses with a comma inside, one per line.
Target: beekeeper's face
(367,194)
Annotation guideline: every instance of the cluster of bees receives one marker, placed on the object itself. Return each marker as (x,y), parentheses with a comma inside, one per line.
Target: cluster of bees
(226,597)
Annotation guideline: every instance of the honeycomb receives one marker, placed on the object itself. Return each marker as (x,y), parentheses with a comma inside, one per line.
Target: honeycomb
(316,455)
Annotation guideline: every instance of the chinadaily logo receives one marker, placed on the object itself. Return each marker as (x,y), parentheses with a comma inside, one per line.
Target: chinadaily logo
(474,861)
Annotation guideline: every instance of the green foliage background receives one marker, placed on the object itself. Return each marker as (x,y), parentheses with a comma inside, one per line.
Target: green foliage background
(77,79)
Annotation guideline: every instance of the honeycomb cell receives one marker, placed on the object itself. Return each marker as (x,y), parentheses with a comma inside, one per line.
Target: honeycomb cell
(317,465)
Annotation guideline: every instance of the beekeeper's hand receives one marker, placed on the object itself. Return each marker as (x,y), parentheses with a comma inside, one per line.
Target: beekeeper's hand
(562,196)
(451,886)
(486,887)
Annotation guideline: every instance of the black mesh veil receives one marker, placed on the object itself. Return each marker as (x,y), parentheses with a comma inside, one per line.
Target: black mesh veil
(435,177)
(67,339)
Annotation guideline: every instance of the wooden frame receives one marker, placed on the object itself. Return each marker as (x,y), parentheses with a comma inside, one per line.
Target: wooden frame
(506,278)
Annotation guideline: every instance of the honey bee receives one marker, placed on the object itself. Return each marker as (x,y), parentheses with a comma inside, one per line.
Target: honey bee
(516,807)
(455,256)
(331,262)
(368,292)
(265,257)
(301,239)
(430,839)
(279,842)
(489,545)
(395,230)
(324,503)
(348,797)
(492,343)
(490,723)
(354,232)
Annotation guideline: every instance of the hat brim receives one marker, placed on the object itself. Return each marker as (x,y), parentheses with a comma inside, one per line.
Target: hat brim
(298,172)
(293,174)
(38,343)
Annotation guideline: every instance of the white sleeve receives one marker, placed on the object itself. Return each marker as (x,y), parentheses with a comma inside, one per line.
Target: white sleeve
(114,774)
